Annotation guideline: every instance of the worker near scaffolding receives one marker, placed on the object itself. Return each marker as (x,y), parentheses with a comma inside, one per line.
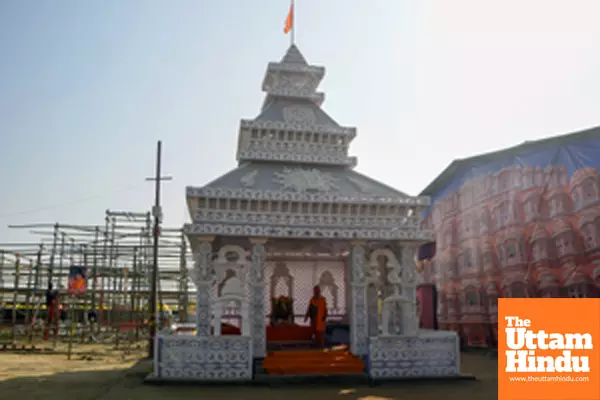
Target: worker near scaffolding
(52,306)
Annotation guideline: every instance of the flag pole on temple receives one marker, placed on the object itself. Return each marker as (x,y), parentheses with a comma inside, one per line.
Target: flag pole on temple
(289,23)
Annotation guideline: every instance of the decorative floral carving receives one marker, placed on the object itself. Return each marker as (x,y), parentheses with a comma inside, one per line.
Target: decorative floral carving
(217,358)
(278,125)
(203,308)
(257,194)
(305,180)
(249,179)
(203,276)
(305,219)
(259,256)
(357,254)
(203,266)
(295,151)
(299,115)
(287,231)
(431,354)
(290,156)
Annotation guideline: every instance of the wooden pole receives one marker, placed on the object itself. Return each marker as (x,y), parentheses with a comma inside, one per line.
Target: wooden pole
(2,259)
(103,276)
(133,291)
(111,275)
(183,283)
(155,234)
(95,269)
(61,255)
(85,297)
(53,254)
(13,335)
(38,268)
(29,292)
(72,328)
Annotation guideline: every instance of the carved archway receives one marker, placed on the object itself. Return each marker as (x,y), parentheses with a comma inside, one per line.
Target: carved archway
(281,274)
(327,281)
(230,268)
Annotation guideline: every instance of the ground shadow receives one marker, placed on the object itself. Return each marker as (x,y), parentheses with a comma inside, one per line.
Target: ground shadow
(128,384)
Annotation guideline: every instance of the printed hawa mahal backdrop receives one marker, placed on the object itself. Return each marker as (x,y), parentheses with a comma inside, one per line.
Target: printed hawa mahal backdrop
(523,226)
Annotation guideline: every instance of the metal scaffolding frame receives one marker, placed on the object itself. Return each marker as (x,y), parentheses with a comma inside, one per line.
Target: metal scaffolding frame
(118,255)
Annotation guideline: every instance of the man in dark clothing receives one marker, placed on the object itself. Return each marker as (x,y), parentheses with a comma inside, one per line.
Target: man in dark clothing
(92,316)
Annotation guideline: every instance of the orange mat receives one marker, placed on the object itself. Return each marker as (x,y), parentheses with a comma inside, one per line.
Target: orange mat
(317,362)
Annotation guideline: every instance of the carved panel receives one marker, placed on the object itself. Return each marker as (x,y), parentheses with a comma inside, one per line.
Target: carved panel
(203,309)
(303,180)
(223,358)
(306,232)
(278,125)
(288,156)
(431,354)
(305,219)
(202,271)
(300,114)
(256,194)
(249,179)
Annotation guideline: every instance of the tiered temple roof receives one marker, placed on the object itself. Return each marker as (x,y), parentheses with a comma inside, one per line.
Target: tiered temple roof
(295,177)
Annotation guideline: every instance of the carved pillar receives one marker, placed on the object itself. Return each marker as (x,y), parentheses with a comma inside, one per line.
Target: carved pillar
(257,297)
(202,276)
(358,300)
(373,309)
(410,275)
(217,317)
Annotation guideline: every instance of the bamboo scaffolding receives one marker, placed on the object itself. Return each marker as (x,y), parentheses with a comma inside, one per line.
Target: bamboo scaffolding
(118,258)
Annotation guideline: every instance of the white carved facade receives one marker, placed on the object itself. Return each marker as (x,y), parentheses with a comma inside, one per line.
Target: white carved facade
(295,191)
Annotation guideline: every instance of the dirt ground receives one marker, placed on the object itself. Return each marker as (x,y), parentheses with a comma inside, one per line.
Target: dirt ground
(100,373)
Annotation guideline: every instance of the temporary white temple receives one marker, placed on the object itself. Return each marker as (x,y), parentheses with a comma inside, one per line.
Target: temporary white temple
(295,193)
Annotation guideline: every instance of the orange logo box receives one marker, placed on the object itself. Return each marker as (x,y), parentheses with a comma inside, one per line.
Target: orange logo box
(549,349)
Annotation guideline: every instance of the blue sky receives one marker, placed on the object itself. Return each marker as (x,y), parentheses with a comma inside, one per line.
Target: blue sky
(88,87)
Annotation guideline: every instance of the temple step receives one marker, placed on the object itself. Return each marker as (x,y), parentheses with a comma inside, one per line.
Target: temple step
(312,363)
(289,344)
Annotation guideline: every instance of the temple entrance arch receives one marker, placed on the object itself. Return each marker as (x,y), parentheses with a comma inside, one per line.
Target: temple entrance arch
(231,291)
(294,268)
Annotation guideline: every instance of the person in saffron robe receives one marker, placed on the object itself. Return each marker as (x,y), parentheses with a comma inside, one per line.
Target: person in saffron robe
(317,312)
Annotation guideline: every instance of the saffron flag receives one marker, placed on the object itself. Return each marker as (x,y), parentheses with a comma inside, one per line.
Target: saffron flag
(289,21)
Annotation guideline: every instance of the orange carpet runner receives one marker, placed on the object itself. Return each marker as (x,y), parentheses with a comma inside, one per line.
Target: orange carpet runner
(312,362)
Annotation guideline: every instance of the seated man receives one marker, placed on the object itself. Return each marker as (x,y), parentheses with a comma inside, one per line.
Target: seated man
(317,312)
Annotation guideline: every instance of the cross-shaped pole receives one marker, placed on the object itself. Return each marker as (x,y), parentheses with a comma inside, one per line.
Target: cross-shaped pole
(157,213)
